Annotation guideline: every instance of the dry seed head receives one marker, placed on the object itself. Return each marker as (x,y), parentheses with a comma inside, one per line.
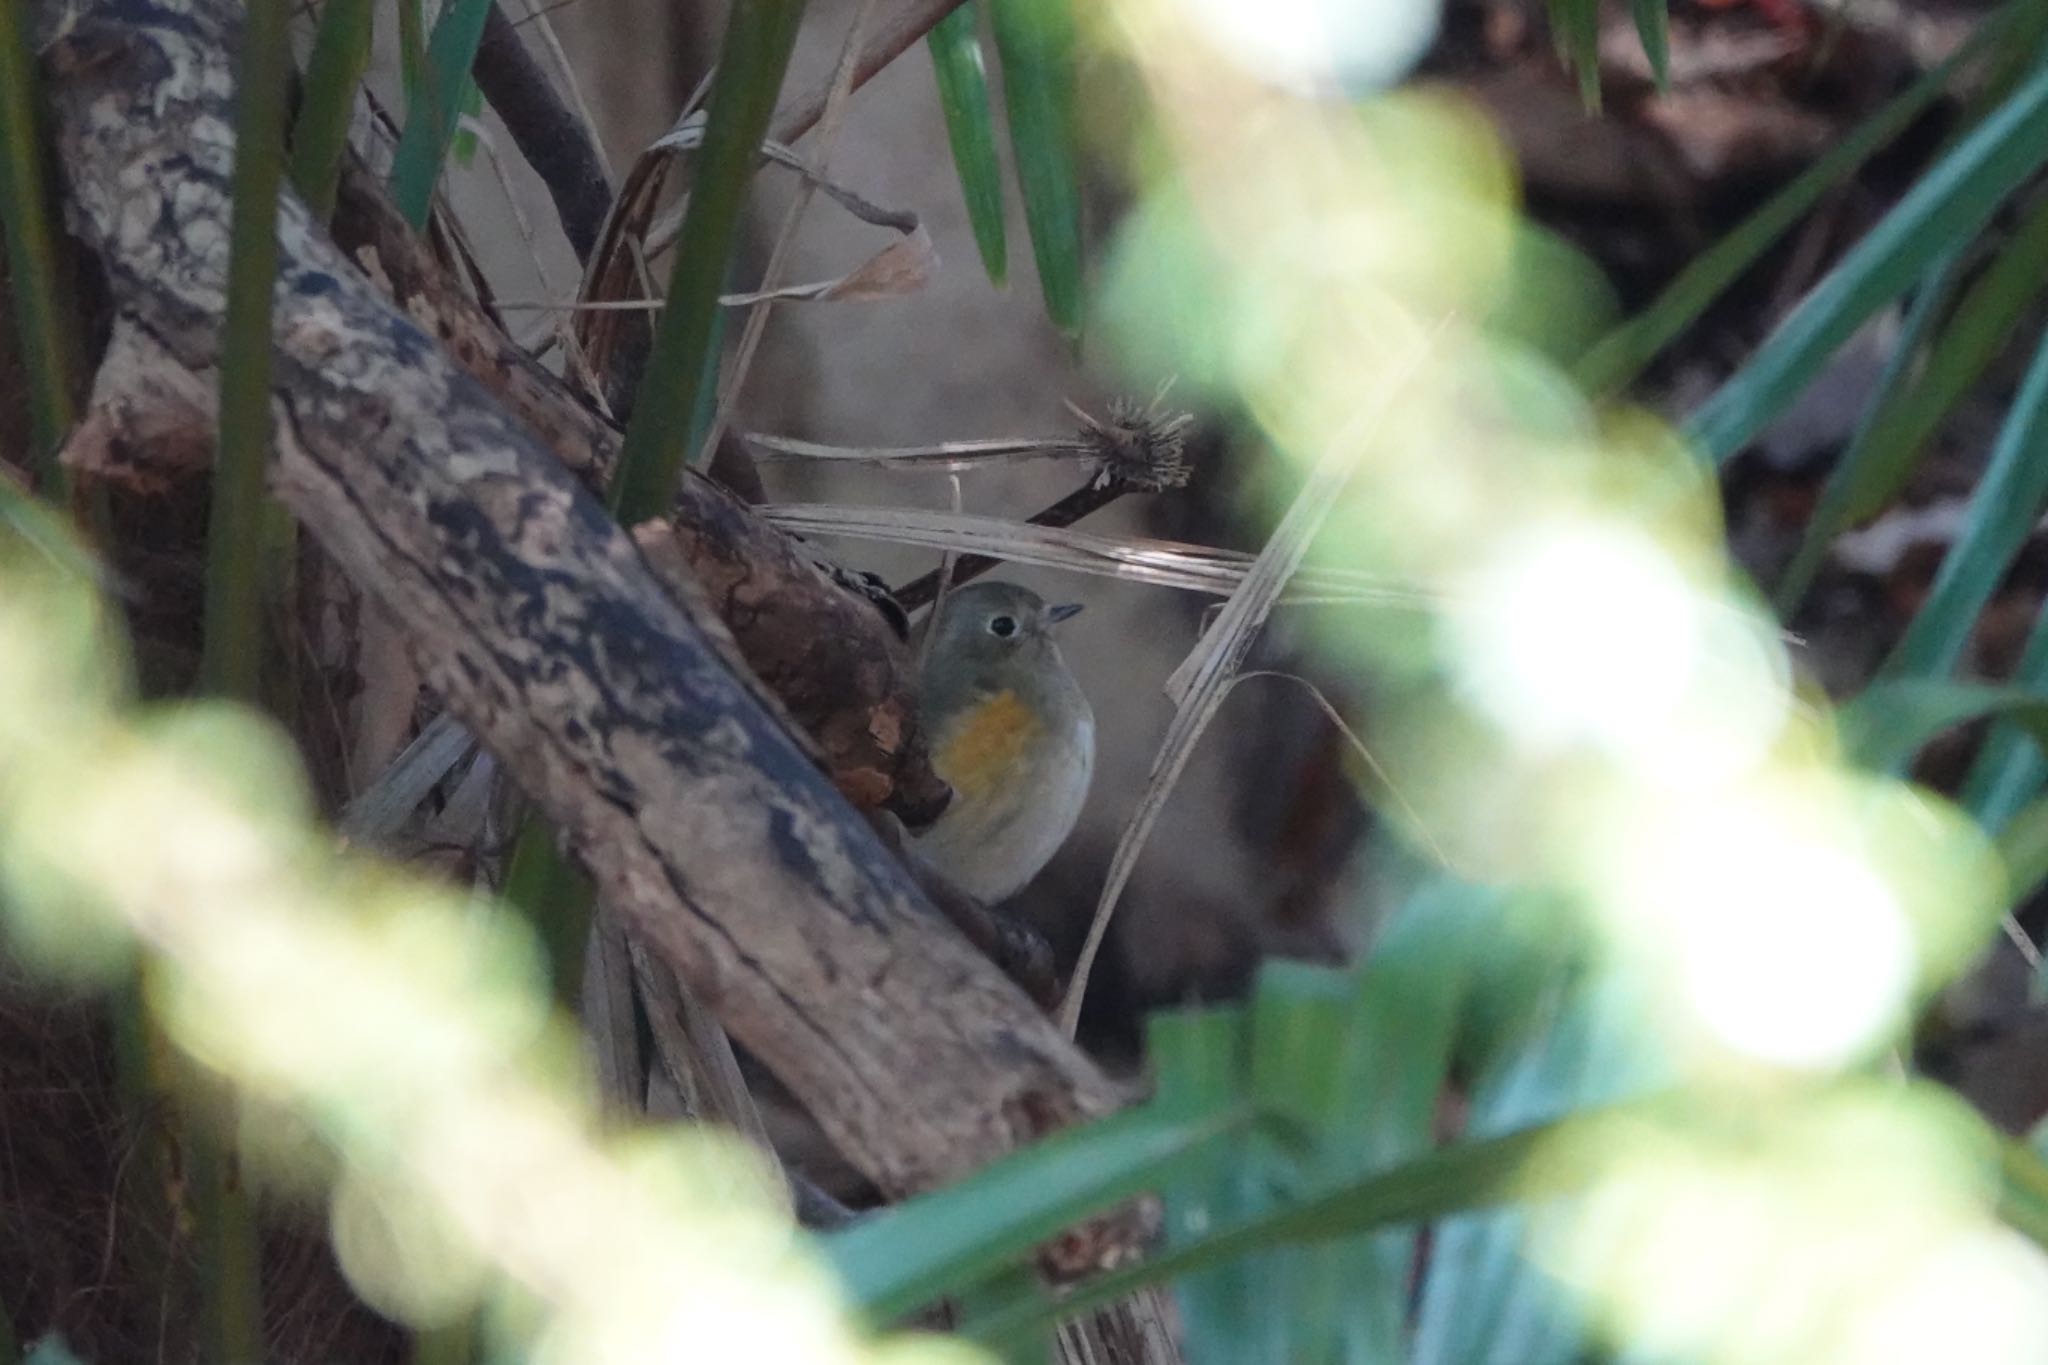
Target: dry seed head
(1137,447)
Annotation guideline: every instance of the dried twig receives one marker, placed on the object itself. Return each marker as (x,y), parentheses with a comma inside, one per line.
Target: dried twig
(1202,682)
(1137,559)
(556,142)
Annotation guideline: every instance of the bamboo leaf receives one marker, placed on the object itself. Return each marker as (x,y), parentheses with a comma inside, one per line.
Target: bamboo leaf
(1035,40)
(955,46)
(1460,1178)
(431,117)
(946,1241)
(34,269)
(1947,206)
(2003,511)
(334,71)
(1200,1058)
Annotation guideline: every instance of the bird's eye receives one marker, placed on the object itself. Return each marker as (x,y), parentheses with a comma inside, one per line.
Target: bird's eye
(1005,626)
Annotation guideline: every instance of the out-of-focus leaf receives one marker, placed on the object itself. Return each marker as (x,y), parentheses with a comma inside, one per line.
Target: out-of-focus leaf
(1575,24)
(430,119)
(1861,470)
(957,65)
(1481,1301)
(2023,1185)
(1947,206)
(1035,40)
(1977,334)
(1466,1176)
(49,348)
(231,661)
(2010,768)
(1622,354)
(2003,511)
(1907,416)
(51,1350)
(341,53)
(944,1242)
(1894,718)
(2023,845)
(1653,26)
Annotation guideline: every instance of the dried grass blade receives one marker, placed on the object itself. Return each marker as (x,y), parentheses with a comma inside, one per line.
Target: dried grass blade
(1202,682)
(1162,563)
(382,809)
(940,457)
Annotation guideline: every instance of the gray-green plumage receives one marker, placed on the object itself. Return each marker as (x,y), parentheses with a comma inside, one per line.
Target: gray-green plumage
(1011,730)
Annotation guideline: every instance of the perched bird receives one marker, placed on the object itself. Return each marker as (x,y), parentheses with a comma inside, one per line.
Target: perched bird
(1011,731)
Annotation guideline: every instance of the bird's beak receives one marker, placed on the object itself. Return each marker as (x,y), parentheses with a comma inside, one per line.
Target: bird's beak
(1055,615)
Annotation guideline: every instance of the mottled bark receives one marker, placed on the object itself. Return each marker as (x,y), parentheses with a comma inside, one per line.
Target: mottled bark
(832,657)
(610,700)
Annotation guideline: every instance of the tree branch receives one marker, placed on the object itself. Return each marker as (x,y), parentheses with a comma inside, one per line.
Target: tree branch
(890,40)
(551,138)
(613,703)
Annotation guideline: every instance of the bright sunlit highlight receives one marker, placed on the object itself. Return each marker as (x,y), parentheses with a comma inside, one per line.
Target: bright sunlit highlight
(1319,46)
(1785,944)
(1541,645)
(1848,1231)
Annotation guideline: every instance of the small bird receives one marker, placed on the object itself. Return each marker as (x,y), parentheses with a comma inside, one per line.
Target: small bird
(1011,731)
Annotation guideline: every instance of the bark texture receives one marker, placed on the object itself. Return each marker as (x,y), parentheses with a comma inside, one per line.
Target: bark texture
(610,700)
(835,660)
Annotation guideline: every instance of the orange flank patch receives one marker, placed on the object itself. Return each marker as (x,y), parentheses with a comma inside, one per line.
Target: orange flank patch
(984,745)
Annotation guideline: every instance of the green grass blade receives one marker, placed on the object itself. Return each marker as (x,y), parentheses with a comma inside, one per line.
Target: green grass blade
(1620,356)
(41,529)
(952,1239)
(1653,26)
(231,660)
(2023,847)
(751,63)
(1977,335)
(1875,469)
(957,66)
(2023,1186)
(1035,40)
(334,71)
(412,53)
(557,901)
(1948,205)
(1303,1069)
(49,347)
(2004,509)
(1862,469)
(2010,769)
(430,119)
(1199,1061)
(1467,1176)
(1575,24)
(1894,718)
